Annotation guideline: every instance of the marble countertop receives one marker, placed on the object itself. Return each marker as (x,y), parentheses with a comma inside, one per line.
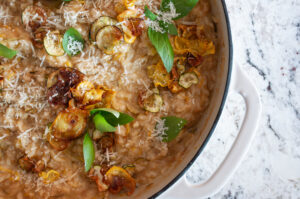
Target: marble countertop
(266,40)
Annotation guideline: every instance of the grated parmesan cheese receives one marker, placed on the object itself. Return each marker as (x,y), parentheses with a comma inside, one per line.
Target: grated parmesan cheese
(159,131)
(74,46)
(165,17)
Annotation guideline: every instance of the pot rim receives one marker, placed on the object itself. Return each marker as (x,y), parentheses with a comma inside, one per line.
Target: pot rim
(166,187)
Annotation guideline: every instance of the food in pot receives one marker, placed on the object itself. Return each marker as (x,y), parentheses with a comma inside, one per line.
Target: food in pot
(97,97)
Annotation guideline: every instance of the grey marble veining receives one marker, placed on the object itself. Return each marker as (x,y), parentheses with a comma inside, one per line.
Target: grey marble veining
(266,41)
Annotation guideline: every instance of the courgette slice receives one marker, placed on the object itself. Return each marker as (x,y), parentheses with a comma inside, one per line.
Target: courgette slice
(53,43)
(100,23)
(153,103)
(188,79)
(108,38)
(34,17)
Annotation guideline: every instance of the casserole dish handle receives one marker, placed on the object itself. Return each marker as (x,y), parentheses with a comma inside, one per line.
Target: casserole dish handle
(182,189)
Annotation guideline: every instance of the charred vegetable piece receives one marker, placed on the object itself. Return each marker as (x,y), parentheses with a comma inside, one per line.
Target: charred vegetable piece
(99,24)
(108,38)
(26,163)
(57,144)
(30,165)
(93,96)
(81,89)
(39,166)
(69,124)
(34,17)
(38,37)
(119,179)
(194,61)
(53,43)
(96,175)
(153,103)
(188,79)
(159,75)
(88,152)
(132,28)
(174,87)
(107,141)
(59,84)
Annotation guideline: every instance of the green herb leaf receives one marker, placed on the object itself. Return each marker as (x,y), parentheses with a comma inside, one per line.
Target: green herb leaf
(150,14)
(7,52)
(173,126)
(109,110)
(163,46)
(183,7)
(114,121)
(73,43)
(102,125)
(67,0)
(169,27)
(88,152)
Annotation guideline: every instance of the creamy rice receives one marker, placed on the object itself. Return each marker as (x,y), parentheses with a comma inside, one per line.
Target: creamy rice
(25,111)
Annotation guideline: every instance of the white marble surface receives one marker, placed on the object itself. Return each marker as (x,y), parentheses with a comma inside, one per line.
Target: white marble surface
(266,40)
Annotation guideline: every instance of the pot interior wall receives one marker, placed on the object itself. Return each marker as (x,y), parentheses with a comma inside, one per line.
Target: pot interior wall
(208,120)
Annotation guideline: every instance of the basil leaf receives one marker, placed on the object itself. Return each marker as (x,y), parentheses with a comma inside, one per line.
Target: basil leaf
(73,43)
(169,27)
(7,52)
(163,46)
(88,152)
(114,121)
(67,0)
(102,125)
(183,7)
(173,126)
(109,110)
(150,14)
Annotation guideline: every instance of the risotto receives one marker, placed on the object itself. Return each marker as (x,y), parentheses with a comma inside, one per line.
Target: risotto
(96,96)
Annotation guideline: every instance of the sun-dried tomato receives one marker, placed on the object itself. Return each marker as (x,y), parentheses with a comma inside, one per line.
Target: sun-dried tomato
(59,93)
(194,61)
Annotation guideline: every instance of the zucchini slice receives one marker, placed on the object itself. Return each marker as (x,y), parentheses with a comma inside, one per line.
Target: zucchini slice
(100,23)
(53,43)
(108,38)
(34,17)
(153,103)
(188,79)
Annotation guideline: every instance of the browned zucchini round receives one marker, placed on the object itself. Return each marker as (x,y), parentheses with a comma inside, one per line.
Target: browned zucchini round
(188,79)
(69,124)
(100,23)
(153,103)
(53,43)
(57,144)
(108,38)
